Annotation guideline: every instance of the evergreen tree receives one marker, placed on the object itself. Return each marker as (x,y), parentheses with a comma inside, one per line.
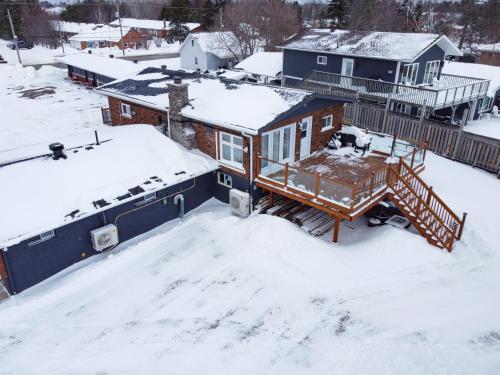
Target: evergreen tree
(208,14)
(336,12)
(178,10)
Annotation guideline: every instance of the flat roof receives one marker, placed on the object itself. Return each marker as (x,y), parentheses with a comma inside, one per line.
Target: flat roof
(42,194)
(109,67)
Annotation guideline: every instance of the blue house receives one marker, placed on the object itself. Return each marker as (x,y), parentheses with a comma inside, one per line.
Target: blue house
(85,198)
(402,68)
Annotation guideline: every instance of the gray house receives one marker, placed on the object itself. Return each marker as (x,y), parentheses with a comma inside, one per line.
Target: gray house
(403,69)
(210,51)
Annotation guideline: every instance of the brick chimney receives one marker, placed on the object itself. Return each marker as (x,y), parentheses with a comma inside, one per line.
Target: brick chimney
(178,97)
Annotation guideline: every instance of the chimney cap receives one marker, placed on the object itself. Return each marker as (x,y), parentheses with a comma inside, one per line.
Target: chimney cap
(163,69)
(177,80)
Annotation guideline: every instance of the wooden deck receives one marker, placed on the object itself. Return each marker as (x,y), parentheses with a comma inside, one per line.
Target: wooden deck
(344,184)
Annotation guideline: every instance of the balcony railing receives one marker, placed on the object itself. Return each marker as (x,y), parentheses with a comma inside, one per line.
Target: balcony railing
(344,196)
(448,90)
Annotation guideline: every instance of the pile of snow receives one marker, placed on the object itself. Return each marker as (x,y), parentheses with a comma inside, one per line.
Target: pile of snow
(269,64)
(218,294)
(127,157)
(37,55)
(488,127)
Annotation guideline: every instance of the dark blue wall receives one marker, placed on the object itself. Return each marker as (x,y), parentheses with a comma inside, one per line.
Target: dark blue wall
(239,182)
(432,54)
(300,63)
(29,265)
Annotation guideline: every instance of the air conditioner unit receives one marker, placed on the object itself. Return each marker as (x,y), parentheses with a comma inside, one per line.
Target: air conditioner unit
(104,237)
(240,202)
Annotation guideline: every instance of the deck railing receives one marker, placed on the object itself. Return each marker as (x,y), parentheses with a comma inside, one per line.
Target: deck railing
(341,195)
(448,90)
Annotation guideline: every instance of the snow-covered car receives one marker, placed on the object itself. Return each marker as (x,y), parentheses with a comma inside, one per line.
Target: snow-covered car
(20,44)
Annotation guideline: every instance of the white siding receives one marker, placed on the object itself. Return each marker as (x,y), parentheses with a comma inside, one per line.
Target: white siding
(190,52)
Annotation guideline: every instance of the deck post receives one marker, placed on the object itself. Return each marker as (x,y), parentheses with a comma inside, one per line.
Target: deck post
(428,200)
(371,184)
(257,164)
(336,229)
(286,174)
(460,230)
(413,157)
(316,184)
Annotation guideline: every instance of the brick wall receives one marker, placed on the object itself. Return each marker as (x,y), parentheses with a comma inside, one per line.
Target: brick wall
(142,114)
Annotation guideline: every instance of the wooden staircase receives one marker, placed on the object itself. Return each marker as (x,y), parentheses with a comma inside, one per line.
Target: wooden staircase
(433,219)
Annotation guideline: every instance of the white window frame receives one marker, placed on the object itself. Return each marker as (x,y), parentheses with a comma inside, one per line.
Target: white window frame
(149,197)
(431,70)
(233,146)
(225,179)
(42,237)
(321,60)
(125,110)
(329,127)
(409,74)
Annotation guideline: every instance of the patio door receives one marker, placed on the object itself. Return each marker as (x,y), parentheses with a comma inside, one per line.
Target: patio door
(277,145)
(305,137)
(347,67)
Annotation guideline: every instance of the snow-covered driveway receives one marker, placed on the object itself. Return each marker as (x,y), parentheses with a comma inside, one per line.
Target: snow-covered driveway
(216,294)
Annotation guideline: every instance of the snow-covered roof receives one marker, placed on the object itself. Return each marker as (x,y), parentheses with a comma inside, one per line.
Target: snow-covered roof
(109,33)
(151,24)
(495,47)
(384,45)
(109,67)
(73,27)
(234,105)
(55,192)
(476,71)
(269,64)
(222,44)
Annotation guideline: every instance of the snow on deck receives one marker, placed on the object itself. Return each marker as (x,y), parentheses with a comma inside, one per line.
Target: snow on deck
(109,67)
(216,294)
(54,192)
(269,64)
(395,46)
(235,105)
(480,71)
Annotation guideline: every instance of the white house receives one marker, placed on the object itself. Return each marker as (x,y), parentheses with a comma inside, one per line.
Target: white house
(210,51)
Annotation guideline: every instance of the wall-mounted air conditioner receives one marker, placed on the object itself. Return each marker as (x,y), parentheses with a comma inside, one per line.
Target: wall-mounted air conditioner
(239,202)
(104,237)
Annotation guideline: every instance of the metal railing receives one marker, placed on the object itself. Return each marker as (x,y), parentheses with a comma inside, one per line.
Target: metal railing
(448,90)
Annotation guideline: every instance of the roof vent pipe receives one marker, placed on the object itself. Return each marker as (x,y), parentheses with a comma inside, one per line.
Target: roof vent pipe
(57,150)
(90,52)
(164,69)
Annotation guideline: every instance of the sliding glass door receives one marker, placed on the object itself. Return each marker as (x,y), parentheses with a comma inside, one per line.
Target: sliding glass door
(277,145)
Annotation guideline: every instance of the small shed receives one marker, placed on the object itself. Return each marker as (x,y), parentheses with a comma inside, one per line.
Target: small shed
(265,67)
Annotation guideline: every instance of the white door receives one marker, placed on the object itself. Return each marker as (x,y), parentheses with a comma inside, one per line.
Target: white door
(279,146)
(305,137)
(347,67)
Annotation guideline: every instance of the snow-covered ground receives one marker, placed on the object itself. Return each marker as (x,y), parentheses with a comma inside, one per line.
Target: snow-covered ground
(213,293)
(62,107)
(34,56)
(166,48)
(489,127)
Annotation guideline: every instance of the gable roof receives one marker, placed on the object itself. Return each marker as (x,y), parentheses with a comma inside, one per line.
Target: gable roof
(108,33)
(150,24)
(67,189)
(382,45)
(109,67)
(219,43)
(240,106)
(269,64)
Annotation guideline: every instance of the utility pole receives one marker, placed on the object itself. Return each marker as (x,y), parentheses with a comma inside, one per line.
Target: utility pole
(121,30)
(60,35)
(14,36)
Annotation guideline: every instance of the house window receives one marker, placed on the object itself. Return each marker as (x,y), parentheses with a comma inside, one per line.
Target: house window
(42,237)
(149,197)
(409,76)
(196,60)
(126,111)
(225,179)
(327,123)
(231,150)
(192,42)
(321,60)
(431,71)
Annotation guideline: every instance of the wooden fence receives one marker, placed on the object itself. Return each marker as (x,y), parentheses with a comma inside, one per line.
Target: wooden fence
(446,140)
